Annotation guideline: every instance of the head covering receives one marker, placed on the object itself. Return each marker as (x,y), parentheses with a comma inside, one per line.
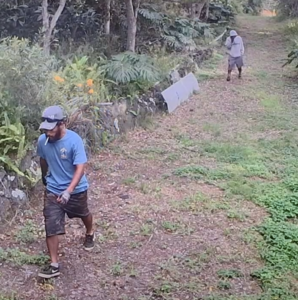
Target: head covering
(233,33)
(51,116)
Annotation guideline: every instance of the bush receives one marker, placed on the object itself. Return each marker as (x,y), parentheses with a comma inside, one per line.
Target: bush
(287,8)
(291,30)
(24,81)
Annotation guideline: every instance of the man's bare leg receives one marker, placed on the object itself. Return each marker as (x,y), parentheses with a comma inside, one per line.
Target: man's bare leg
(53,243)
(88,222)
(229,75)
(89,239)
(53,269)
(240,72)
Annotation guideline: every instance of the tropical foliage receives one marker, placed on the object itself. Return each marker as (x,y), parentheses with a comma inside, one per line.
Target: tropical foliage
(88,64)
(289,9)
(175,33)
(128,67)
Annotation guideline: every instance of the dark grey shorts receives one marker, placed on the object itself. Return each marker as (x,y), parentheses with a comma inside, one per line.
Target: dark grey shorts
(54,212)
(235,61)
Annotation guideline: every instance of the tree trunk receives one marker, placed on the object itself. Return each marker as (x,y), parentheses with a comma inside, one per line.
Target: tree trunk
(132,7)
(192,10)
(207,10)
(200,7)
(49,25)
(108,17)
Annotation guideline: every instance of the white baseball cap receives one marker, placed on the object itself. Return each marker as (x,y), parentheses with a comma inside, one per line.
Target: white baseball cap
(233,33)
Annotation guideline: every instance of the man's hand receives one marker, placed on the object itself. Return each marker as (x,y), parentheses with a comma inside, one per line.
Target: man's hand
(64,197)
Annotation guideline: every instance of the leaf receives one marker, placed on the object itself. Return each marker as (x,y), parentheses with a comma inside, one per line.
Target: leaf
(7,161)
(133,112)
(128,67)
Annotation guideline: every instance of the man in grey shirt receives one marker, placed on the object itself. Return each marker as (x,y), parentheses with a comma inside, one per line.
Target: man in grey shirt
(235,46)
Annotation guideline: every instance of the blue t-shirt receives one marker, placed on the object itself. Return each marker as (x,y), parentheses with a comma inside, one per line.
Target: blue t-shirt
(62,156)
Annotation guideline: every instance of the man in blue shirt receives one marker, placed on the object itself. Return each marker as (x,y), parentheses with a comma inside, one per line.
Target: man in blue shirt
(62,161)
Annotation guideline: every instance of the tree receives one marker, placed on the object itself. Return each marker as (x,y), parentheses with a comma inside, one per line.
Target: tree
(50,23)
(196,7)
(108,17)
(132,8)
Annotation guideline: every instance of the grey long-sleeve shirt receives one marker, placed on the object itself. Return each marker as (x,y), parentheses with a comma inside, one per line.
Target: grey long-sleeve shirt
(236,49)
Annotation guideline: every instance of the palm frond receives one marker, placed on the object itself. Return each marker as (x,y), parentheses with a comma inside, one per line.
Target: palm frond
(128,67)
(293,55)
(151,15)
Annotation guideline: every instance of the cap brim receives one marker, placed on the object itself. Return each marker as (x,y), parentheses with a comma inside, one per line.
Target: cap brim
(47,125)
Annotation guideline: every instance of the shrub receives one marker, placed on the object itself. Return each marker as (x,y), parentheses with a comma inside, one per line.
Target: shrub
(80,87)
(24,80)
(287,8)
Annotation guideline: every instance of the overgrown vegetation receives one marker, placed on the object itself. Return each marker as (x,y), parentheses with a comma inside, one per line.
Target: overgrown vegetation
(89,64)
(288,10)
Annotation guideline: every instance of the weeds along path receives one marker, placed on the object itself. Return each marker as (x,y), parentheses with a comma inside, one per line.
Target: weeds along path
(200,205)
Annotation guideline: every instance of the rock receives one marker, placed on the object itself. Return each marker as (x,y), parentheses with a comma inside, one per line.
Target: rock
(174,76)
(11,178)
(26,162)
(4,208)
(18,196)
(35,169)
(75,226)
(6,188)
(123,196)
(2,174)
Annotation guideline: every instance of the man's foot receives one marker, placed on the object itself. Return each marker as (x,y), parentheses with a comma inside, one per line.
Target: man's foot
(239,76)
(229,78)
(49,272)
(89,242)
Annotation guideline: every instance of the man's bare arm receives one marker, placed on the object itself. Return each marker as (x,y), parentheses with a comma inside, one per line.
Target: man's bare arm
(80,170)
(44,167)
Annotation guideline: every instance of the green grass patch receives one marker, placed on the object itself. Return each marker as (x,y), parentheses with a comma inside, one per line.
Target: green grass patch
(20,258)
(185,140)
(212,128)
(12,296)
(261,74)
(264,171)
(230,273)
(269,101)
(229,153)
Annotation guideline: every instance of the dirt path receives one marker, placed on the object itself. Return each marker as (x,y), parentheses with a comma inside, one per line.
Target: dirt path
(169,222)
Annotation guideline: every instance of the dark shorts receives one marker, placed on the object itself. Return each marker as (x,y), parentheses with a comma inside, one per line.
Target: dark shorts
(54,212)
(235,61)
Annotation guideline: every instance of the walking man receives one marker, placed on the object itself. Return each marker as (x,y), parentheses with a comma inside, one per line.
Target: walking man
(235,46)
(62,161)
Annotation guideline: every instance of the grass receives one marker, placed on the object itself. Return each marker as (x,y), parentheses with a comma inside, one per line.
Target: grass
(224,218)
(264,172)
(19,258)
(28,233)
(212,128)
(209,69)
(13,296)
(117,269)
